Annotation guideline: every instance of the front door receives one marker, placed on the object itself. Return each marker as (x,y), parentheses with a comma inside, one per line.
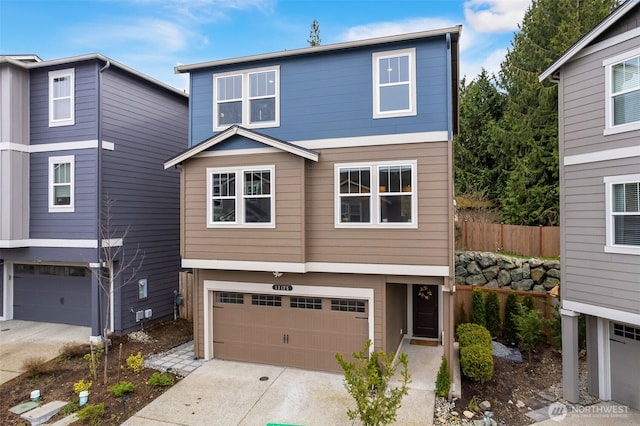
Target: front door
(425,311)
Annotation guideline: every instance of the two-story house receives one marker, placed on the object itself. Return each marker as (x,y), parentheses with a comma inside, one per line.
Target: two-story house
(78,134)
(599,144)
(317,199)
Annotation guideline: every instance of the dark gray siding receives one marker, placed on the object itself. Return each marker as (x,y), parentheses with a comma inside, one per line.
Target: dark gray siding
(147,125)
(79,224)
(86,117)
(49,254)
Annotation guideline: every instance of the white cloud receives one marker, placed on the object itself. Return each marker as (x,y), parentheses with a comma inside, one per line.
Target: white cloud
(200,11)
(382,29)
(495,16)
(470,67)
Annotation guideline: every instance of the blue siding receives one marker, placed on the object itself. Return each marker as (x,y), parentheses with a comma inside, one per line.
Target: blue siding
(80,224)
(147,126)
(330,95)
(86,116)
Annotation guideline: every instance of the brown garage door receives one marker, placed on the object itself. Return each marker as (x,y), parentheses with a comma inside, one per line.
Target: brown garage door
(303,332)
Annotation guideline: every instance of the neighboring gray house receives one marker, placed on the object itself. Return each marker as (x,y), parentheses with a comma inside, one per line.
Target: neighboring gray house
(74,134)
(599,133)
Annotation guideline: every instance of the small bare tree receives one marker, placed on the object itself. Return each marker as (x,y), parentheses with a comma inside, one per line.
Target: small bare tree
(108,275)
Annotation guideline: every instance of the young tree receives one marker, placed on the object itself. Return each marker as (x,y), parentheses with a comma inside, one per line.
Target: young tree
(510,309)
(528,328)
(367,381)
(314,34)
(492,313)
(478,315)
(117,269)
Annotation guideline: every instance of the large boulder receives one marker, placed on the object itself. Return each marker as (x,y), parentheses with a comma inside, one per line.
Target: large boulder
(491,272)
(487,259)
(537,274)
(473,268)
(522,285)
(504,278)
(550,283)
(553,273)
(516,274)
(461,271)
(551,264)
(477,279)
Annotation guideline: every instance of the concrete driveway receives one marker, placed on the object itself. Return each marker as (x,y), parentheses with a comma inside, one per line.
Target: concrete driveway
(232,393)
(20,340)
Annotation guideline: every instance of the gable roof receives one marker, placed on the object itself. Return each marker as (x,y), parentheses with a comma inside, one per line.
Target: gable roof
(453,31)
(241,131)
(605,24)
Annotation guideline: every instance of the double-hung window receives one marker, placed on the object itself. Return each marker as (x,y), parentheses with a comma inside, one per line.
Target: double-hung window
(249,98)
(61,98)
(376,194)
(394,83)
(241,196)
(623,214)
(622,86)
(61,183)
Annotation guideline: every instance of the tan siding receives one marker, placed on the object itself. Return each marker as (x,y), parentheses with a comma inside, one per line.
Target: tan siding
(282,244)
(396,315)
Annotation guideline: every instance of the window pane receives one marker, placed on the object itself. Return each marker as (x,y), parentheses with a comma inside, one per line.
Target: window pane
(223,184)
(355,209)
(230,88)
(263,110)
(61,87)
(395,178)
(626,108)
(62,195)
(262,84)
(355,181)
(62,173)
(626,75)
(257,210)
(395,208)
(257,182)
(394,98)
(230,113)
(61,109)
(224,210)
(627,230)
(626,197)
(394,70)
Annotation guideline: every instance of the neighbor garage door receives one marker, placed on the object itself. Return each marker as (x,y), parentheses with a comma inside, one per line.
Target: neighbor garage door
(625,374)
(303,332)
(52,293)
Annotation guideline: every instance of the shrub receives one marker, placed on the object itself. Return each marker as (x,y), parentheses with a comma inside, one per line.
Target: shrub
(91,413)
(160,379)
(528,328)
(477,308)
(36,366)
(97,354)
(70,408)
(528,302)
(462,315)
(81,385)
(443,379)
(74,350)
(555,325)
(134,362)
(510,309)
(122,388)
(473,334)
(492,313)
(476,362)
(367,380)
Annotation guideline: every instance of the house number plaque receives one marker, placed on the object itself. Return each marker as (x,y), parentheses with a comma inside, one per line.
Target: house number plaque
(282,287)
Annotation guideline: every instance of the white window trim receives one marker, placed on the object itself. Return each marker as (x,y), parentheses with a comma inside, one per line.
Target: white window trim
(375,195)
(610,247)
(412,110)
(239,198)
(59,160)
(245,99)
(66,121)
(609,127)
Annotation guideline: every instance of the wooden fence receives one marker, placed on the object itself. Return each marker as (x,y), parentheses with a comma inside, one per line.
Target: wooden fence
(545,303)
(186,290)
(536,241)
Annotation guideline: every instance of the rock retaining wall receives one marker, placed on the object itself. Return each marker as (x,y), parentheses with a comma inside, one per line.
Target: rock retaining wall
(493,270)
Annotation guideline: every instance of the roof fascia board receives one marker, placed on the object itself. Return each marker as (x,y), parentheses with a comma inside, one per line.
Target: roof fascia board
(103,58)
(235,130)
(316,49)
(588,38)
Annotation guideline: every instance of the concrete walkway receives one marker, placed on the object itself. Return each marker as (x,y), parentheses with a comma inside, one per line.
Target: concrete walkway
(21,340)
(234,393)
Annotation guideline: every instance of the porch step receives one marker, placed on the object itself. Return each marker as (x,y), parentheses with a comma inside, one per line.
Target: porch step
(71,418)
(40,415)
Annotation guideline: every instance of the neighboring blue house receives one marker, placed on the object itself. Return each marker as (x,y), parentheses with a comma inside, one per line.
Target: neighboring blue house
(76,134)
(317,199)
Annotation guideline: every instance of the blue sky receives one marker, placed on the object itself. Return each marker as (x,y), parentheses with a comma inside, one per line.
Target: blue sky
(153,36)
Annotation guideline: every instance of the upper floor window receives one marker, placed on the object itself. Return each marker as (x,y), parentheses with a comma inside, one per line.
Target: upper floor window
(623,92)
(382,194)
(61,182)
(249,98)
(61,97)
(241,197)
(394,86)
(623,214)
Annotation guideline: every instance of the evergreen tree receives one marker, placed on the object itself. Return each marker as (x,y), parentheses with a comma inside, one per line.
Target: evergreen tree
(314,34)
(492,313)
(477,308)
(510,309)
(528,130)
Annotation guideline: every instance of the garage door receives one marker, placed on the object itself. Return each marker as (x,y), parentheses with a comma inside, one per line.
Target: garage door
(303,332)
(52,293)
(625,374)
